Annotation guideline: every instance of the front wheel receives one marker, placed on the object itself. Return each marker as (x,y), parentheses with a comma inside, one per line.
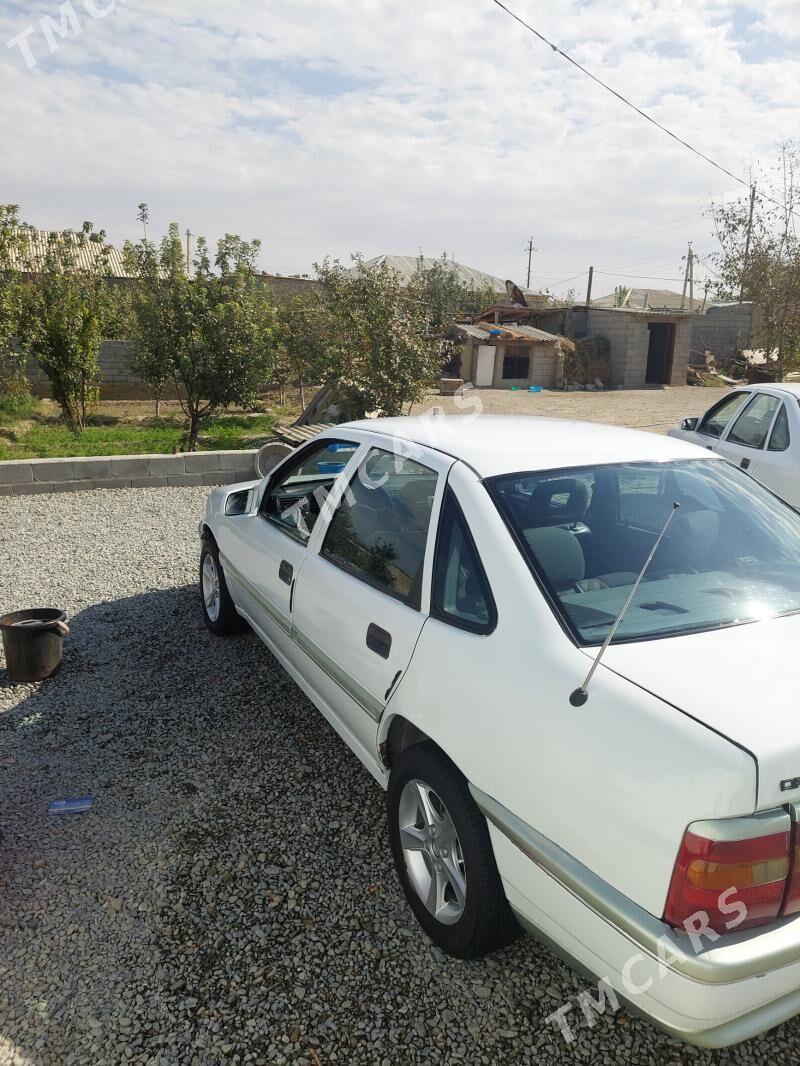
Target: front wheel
(219,612)
(443,855)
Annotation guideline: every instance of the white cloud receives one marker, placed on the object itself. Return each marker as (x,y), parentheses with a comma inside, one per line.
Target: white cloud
(325,127)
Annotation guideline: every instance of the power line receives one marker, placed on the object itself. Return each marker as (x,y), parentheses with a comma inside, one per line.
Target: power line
(784,206)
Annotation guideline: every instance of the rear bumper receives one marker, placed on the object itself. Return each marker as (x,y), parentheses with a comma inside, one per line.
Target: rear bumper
(727,991)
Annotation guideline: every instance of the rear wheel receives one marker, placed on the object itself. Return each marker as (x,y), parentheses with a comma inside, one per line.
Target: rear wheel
(219,612)
(444,857)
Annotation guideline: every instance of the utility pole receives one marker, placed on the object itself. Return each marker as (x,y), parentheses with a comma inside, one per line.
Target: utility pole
(747,240)
(688,258)
(691,279)
(530,253)
(188,253)
(589,286)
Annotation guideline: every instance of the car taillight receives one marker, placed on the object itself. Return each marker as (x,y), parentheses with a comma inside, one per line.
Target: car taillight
(715,874)
(791,902)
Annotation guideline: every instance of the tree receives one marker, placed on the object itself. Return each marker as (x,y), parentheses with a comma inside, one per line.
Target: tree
(759,259)
(301,342)
(381,352)
(210,334)
(13,382)
(66,310)
(445,294)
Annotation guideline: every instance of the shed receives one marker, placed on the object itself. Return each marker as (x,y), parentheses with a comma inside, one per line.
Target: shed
(501,356)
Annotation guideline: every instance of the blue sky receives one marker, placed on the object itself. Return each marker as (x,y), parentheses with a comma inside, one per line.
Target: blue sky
(330,127)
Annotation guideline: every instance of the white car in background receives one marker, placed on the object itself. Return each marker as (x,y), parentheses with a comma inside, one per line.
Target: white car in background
(757,427)
(440,588)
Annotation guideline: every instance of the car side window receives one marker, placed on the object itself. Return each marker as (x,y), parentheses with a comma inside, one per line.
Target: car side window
(461,595)
(779,439)
(295,500)
(380,529)
(751,427)
(715,422)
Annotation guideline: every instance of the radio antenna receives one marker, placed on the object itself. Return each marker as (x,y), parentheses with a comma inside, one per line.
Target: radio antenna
(581,694)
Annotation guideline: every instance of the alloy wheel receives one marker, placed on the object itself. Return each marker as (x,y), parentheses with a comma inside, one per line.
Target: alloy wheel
(432,851)
(211,594)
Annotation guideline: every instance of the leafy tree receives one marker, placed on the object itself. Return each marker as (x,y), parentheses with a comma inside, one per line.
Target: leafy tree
(66,311)
(381,353)
(301,352)
(13,382)
(445,294)
(759,260)
(211,333)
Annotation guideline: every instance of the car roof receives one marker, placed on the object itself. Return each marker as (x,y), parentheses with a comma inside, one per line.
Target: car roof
(792,387)
(506,444)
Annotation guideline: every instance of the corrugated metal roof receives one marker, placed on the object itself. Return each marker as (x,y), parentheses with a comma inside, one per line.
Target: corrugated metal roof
(483,331)
(649,300)
(37,241)
(528,333)
(473,331)
(406,266)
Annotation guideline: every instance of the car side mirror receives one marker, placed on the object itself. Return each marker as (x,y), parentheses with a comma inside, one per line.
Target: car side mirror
(689,424)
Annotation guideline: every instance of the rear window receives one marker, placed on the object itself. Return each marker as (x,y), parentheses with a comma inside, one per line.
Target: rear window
(731,554)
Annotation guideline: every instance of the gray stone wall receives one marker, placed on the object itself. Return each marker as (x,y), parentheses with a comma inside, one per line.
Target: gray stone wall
(724,330)
(22,477)
(117,381)
(628,340)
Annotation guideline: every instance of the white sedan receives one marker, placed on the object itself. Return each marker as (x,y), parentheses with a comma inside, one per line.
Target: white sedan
(440,588)
(757,427)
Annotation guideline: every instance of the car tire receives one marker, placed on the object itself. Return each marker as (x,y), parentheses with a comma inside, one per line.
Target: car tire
(453,888)
(219,612)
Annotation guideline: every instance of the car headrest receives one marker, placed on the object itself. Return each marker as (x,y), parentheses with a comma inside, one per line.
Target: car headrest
(572,510)
(559,554)
(698,532)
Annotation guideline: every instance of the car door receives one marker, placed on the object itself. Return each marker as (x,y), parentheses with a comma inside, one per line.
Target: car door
(715,421)
(745,438)
(263,552)
(781,464)
(358,601)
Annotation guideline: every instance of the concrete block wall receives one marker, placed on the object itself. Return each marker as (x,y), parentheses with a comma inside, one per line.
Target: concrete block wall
(628,341)
(21,477)
(724,329)
(543,365)
(681,350)
(117,381)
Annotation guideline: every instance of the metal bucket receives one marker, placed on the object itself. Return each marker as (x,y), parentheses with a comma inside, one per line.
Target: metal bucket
(33,642)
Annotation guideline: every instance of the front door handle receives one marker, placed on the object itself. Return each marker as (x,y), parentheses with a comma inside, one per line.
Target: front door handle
(285,572)
(379,641)
(744,464)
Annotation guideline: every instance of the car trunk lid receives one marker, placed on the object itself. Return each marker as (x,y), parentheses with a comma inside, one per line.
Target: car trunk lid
(741,681)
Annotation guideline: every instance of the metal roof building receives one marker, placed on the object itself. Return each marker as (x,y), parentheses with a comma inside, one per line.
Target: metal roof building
(406,266)
(36,243)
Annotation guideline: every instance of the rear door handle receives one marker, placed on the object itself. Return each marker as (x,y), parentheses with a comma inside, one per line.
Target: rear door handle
(744,464)
(285,572)
(379,641)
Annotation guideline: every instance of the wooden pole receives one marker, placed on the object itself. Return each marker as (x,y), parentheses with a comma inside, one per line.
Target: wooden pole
(686,277)
(530,253)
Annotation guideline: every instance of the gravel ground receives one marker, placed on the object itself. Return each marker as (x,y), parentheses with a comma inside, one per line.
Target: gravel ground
(655,409)
(230,896)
